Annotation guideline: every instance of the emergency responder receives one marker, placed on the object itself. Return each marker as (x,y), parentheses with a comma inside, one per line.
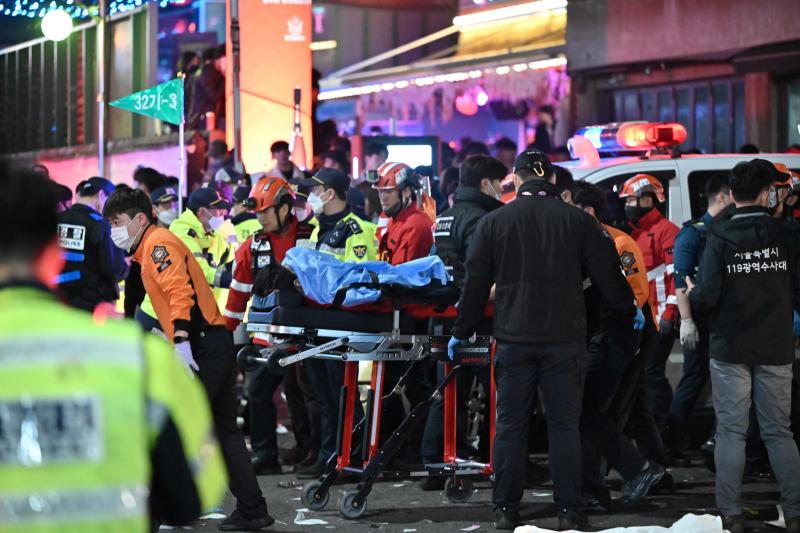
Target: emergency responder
(272,200)
(689,245)
(408,235)
(536,250)
(95,416)
(190,318)
(612,351)
(243,219)
(348,238)
(655,236)
(165,202)
(477,195)
(748,283)
(94,265)
(784,187)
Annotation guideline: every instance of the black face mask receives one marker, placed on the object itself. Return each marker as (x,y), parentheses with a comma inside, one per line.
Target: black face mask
(636,213)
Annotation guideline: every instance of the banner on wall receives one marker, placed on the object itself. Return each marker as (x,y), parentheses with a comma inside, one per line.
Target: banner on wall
(275,59)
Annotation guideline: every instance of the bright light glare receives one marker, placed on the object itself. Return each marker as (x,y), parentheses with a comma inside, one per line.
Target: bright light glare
(56,25)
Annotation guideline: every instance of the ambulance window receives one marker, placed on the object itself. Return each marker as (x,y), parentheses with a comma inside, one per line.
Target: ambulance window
(615,214)
(697,190)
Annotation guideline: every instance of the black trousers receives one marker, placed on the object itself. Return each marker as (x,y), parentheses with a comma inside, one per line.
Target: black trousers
(659,391)
(519,369)
(213,352)
(601,435)
(418,388)
(691,385)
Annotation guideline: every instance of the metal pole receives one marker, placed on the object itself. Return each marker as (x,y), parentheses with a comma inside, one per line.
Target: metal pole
(182,159)
(237,95)
(101,89)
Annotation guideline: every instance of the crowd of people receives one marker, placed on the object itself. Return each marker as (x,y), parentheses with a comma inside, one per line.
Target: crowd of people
(584,312)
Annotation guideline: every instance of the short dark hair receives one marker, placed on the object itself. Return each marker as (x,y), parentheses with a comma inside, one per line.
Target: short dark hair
(748,149)
(279,146)
(505,143)
(29,230)
(149,177)
(376,149)
(587,194)
(747,181)
(339,156)
(564,180)
(130,202)
(476,167)
(716,184)
(208,54)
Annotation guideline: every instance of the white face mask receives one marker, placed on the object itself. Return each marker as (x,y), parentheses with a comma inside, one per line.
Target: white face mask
(121,237)
(315,203)
(215,223)
(168,216)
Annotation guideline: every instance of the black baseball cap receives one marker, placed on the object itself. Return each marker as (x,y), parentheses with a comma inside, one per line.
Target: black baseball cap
(536,162)
(167,193)
(241,194)
(330,177)
(207,197)
(94,185)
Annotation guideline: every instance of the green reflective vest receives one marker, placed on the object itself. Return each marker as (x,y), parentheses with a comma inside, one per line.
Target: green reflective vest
(351,239)
(81,406)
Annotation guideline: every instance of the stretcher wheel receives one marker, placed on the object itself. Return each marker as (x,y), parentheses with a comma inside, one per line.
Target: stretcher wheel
(244,359)
(273,361)
(346,508)
(458,489)
(313,498)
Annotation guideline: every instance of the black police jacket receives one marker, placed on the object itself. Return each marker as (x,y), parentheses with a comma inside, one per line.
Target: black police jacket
(536,250)
(748,284)
(455,226)
(94,264)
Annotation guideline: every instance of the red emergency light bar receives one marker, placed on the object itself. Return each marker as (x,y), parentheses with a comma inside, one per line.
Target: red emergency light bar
(634,136)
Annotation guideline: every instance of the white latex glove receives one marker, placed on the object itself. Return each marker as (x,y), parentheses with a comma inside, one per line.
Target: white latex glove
(689,334)
(184,352)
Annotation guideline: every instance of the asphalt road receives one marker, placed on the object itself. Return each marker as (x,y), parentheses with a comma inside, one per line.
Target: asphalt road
(401,506)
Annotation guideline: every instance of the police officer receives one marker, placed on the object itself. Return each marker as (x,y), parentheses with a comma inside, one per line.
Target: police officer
(189,316)
(165,203)
(477,195)
(689,245)
(536,250)
(93,416)
(94,265)
(747,283)
(347,237)
(243,219)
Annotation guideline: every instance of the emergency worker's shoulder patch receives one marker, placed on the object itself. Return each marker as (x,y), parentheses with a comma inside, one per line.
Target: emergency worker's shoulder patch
(628,261)
(360,251)
(159,254)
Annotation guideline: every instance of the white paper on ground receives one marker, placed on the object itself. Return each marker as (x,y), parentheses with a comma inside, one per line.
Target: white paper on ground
(690,523)
(409,530)
(213,516)
(473,527)
(301,519)
(781,521)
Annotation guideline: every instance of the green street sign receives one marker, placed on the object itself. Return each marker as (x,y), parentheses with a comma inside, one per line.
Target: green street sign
(164,102)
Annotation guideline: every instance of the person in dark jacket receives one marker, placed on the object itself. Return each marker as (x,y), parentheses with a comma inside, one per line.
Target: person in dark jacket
(208,91)
(477,195)
(748,284)
(94,265)
(538,251)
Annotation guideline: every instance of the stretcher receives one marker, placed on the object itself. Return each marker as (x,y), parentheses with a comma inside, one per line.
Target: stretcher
(383,334)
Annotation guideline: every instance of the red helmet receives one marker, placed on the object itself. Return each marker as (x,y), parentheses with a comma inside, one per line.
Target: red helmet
(270,192)
(640,184)
(786,176)
(394,176)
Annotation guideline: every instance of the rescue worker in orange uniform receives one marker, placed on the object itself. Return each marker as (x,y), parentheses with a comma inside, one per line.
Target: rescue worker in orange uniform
(409,234)
(190,318)
(612,352)
(272,200)
(655,235)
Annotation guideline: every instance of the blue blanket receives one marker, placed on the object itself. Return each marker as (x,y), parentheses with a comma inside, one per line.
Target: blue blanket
(322,275)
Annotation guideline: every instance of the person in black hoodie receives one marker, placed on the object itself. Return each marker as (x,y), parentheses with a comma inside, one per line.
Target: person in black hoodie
(538,250)
(748,284)
(477,195)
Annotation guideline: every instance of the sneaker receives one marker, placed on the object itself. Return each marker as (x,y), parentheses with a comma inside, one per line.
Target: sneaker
(665,486)
(267,467)
(312,471)
(571,519)
(596,503)
(238,522)
(734,524)
(638,487)
(505,518)
(293,456)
